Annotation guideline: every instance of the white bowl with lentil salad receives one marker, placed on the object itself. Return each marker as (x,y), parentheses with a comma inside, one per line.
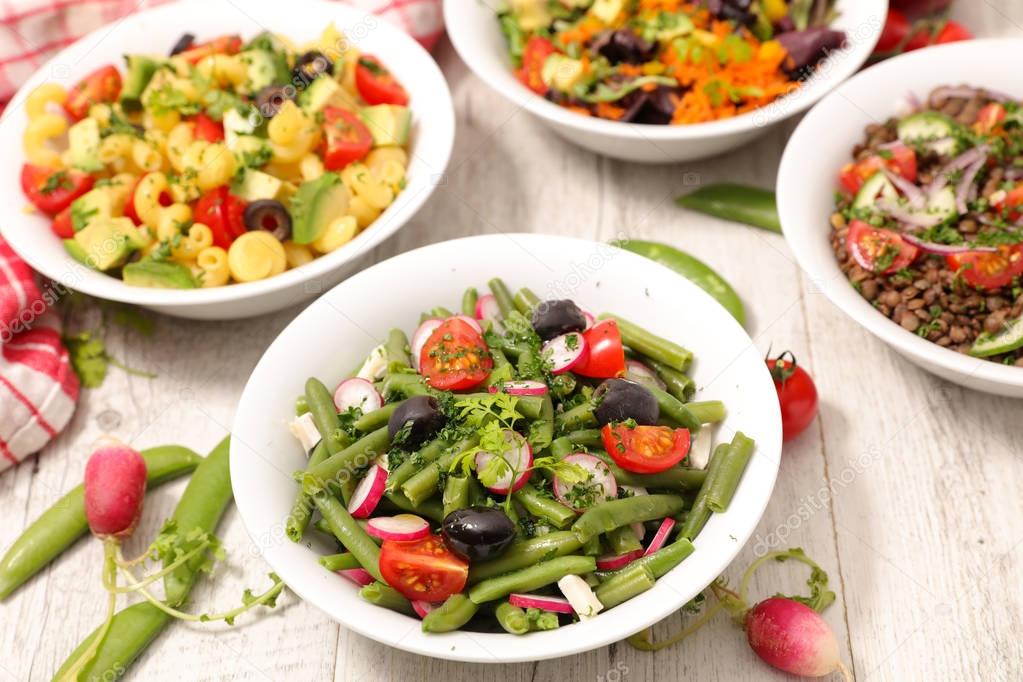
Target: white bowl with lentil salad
(901,194)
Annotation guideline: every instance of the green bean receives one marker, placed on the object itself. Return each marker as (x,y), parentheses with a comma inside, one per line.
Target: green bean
(511,618)
(678,384)
(431,509)
(301,406)
(623,540)
(543,620)
(456,494)
(634,580)
(661,561)
(612,514)
(543,506)
(386,596)
(526,553)
(396,350)
(132,629)
(456,611)
(504,298)
(477,493)
(441,311)
(525,300)
(592,547)
(651,345)
(426,456)
(405,385)
(423,485)
(349,533)
(324,413)
(722,487)
(578,417)
(542,430)
(342,466)
(469,302)
(302,508)
(64,522)
(371,421)
(529,406)
(531,577)
(562,447)
(675,478)
(674,410)
(320,526)
(699,513)
(340,562)
(708,411)
(587,438)
(201,505)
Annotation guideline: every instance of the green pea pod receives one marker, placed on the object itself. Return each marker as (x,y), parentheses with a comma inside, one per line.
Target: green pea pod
(738,203)
(696,271)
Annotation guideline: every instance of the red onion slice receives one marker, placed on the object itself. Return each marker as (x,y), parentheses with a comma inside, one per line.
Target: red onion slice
(944,249)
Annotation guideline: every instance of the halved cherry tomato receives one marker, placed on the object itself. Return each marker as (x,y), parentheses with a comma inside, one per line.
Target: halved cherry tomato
(797,394)
(873,248)
(455,357)
(61,225)
(896,29)
(102,85)
(534,56)
(347,138)
(376,84)
(1013,200)
(223,213)
(50,190)
(606,356)
(952,32)
(986,270)
(222,45)
(423,569)
(645,449)
(899,159)
(207,129)
(989,117)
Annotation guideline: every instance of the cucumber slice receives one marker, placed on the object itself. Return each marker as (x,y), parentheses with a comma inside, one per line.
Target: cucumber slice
(1005,341)
(943,204)
(935,131)
(876,186)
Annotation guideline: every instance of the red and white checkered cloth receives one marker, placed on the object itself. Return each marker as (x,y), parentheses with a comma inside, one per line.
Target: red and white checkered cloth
(32,31)
(38,388)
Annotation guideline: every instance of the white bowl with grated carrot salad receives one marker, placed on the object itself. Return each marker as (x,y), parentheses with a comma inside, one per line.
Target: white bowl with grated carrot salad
(661,81)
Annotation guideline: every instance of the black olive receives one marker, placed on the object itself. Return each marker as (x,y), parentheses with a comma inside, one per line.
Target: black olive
(478,533)
(621,399)
(270,99)
(311,65)
(424,414)
(554,318)
(268,215)
(184,42)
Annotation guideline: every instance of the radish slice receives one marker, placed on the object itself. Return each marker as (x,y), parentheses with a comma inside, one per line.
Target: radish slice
(519,457)
(359,576)
(471,322)
(612,562)
(590,320)
(356,392)
(525,387)
(487,309)
(368,493)
(565,352)
(635,491)
(600,486)
(422,608)
(661,536)
(419,338)
(400,527)
(641,374)
(542,602)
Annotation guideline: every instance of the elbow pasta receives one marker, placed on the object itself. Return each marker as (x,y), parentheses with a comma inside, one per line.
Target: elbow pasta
(181,157)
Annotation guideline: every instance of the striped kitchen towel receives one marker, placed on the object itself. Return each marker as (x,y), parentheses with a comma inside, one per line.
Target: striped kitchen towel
(32,31)
(38,388)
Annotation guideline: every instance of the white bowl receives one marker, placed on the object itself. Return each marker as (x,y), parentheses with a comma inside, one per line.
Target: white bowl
(474,30)
(339,329)
(301,20)
(822,144)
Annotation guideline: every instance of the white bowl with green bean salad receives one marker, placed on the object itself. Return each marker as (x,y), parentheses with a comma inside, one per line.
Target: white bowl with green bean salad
(534,446)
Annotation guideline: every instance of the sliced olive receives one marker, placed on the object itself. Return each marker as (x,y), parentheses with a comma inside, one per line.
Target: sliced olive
(184,42)
(478,533)
(270,99)
(620,400)
(310,66)
(554,318)
(268,215)
(423,415)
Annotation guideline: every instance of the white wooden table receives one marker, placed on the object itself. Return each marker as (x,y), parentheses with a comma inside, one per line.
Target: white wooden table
(906,489)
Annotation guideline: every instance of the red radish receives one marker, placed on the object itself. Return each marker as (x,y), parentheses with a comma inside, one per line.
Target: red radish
(368,493)
(471,322)
(600,477)
(359,576)
(400,527)
(487,309)
(565,352)
(661,536)
(612,562)
(590,320)
(356,392)
(422,608)
(115,487)
(540,601)
(639,529)
(525,387)
(791,636)
(420,336)
(519,457)
(641,374)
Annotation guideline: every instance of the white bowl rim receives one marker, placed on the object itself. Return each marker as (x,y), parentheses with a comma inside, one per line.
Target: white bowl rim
(845,298)
(764,117)
(390,220)
(566,640)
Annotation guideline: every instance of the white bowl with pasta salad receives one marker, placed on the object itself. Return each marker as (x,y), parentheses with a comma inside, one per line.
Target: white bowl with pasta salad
(222,163)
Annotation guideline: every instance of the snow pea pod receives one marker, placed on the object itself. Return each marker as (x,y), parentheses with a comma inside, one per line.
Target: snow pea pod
(738,203)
